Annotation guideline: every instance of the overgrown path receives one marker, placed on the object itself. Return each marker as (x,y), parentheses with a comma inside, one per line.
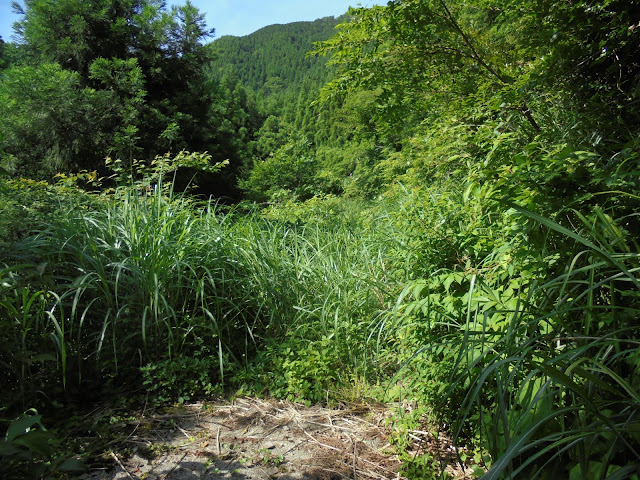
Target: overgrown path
(259,439)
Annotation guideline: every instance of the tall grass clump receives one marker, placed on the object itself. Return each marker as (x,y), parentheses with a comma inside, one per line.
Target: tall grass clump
(25,285)
(144,279)
(542,370)
(324,276)
(181,297)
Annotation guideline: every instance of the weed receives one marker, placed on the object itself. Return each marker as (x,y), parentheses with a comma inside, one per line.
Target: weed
(29,449)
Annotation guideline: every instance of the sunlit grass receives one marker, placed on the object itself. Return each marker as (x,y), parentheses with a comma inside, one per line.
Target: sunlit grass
(154,277)
(542,369)
(529,356)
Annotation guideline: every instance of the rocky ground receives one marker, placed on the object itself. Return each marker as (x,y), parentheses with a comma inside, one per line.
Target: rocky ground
(259,439)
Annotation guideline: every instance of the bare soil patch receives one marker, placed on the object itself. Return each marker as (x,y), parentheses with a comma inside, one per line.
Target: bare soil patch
(260,439)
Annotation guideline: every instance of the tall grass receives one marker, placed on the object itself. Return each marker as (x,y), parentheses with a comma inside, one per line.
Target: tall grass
(543,369)
(133,279)
(153,278)
(319,282)
(540,370)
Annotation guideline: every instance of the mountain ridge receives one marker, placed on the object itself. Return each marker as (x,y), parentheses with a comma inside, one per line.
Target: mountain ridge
(273,59)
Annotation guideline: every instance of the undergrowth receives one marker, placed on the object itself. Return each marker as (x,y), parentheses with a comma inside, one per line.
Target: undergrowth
(509,329)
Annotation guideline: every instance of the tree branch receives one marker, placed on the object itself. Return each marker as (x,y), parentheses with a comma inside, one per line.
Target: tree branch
(524,109)
(469,43)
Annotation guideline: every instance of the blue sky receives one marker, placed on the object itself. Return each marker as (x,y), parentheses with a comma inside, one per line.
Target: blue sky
(238,17)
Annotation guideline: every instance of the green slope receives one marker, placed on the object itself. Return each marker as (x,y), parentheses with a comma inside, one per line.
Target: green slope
(273,60)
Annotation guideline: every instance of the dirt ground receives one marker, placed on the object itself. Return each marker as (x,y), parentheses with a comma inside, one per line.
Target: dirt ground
(260,439)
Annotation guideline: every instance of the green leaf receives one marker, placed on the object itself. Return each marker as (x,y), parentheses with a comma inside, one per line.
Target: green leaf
(578,238)
(21,425)
(72,465)
(36,441)
(8,449)
(44,357)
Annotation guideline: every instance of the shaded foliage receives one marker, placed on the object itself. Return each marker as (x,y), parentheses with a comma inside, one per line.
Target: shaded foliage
(121,79)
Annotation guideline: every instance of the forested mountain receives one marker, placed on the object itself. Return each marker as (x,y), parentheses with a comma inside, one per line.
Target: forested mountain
(273,59)
(149,111)
(412,72)
(324,145)
(275,65)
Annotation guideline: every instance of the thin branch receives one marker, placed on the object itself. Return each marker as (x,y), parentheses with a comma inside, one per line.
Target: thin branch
(115,457)
(469,43)
(525,110)
(174,467)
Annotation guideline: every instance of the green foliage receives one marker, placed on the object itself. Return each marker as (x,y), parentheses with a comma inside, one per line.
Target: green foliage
(75,33)
(146,277)
(142,176)
(288,174)
(497,93)
(272,136)
(4,61)
(123,89)
(273,60)
(493,281)
(234,121)
(533,371)
(593,45)
(423,466)
(27,206)
(29,450)
(306,371)
(143,260)
(273,63)
(23,310)
(182,379)
(35,298)
(498,328)
(419,55)
(122,79)
(46,108)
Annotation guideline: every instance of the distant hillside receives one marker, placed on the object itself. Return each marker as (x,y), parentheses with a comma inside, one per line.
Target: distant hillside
(273,59)
(319,145)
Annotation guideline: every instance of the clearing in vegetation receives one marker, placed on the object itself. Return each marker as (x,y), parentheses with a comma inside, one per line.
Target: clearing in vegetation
(258,439)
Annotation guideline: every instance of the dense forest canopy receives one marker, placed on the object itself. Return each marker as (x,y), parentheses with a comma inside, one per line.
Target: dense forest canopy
(433,200)
(134,80)
(120,79)
(274,58)
(505,74)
